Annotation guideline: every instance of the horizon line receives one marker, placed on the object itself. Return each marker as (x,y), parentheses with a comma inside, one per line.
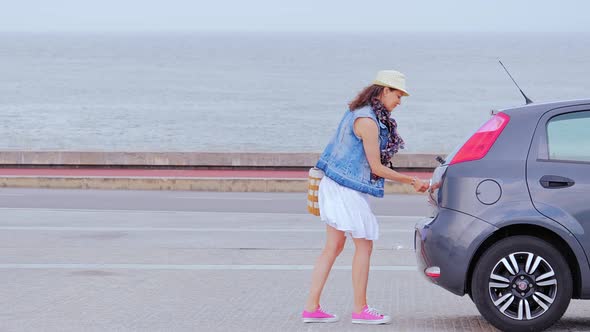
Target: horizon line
(278,31)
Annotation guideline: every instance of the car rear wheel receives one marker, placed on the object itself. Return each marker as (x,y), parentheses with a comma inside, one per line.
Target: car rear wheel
(521,283)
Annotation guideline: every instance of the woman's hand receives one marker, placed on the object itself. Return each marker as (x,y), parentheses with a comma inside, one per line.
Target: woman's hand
(420,185)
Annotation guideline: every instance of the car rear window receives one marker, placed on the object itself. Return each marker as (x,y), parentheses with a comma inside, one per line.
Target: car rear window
(567,137)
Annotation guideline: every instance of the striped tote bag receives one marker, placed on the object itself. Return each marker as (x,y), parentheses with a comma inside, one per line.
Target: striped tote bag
(313,179)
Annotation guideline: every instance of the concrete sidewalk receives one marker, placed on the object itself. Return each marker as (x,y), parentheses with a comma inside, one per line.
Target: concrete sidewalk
(170,179)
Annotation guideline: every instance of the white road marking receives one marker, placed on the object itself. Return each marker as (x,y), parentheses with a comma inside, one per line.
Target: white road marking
(193,267)
(188,212)
(243,199)
(179,229)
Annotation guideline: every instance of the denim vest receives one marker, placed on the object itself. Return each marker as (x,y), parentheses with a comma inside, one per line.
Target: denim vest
(344,159)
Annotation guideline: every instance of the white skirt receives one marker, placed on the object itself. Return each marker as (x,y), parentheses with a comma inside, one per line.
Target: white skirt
(347,210)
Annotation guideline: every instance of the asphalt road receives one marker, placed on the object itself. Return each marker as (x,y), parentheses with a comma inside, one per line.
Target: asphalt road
(91,260)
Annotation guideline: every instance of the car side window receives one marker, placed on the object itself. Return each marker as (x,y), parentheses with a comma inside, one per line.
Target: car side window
(567,137)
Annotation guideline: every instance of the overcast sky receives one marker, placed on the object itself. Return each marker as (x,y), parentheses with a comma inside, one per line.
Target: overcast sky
(295,15)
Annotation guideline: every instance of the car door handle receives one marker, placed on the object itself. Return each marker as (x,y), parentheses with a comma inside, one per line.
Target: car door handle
(556,181)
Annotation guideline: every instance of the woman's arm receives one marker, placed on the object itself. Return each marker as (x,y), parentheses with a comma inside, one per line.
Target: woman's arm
(367,130)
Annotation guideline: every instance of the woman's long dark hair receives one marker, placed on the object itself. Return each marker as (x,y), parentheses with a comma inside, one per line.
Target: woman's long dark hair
(365,96)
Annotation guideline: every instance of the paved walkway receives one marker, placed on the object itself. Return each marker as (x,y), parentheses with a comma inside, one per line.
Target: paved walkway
(93,260)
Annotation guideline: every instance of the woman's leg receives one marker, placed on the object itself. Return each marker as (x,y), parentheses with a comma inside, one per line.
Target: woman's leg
(335,240)
(360,271)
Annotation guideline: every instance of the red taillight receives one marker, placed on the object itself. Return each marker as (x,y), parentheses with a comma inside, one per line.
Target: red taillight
(433,272)
(480,143)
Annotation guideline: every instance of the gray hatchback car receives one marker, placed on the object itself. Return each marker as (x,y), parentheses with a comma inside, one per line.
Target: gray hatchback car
(511,216)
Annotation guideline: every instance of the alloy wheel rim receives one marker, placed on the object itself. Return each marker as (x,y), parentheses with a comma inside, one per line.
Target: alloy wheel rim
(522,286)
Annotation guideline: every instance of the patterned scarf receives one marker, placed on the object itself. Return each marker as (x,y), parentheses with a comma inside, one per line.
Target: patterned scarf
(395,141)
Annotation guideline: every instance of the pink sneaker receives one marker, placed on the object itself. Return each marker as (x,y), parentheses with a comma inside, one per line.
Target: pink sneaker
(318,316)
(369,316)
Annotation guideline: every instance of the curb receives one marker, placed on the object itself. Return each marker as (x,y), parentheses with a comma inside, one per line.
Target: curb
(164,183)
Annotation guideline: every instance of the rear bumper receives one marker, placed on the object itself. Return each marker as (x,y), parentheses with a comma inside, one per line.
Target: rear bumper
(449,241)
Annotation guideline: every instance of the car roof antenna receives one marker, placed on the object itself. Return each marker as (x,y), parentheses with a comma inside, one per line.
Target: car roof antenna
(527,100)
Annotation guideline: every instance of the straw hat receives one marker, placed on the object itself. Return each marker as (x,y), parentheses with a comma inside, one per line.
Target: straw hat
(392,79)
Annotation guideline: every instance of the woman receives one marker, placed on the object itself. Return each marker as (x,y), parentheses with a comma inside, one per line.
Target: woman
(355,164)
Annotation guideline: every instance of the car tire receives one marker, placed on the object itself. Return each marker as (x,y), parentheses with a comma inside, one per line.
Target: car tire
(535,297)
